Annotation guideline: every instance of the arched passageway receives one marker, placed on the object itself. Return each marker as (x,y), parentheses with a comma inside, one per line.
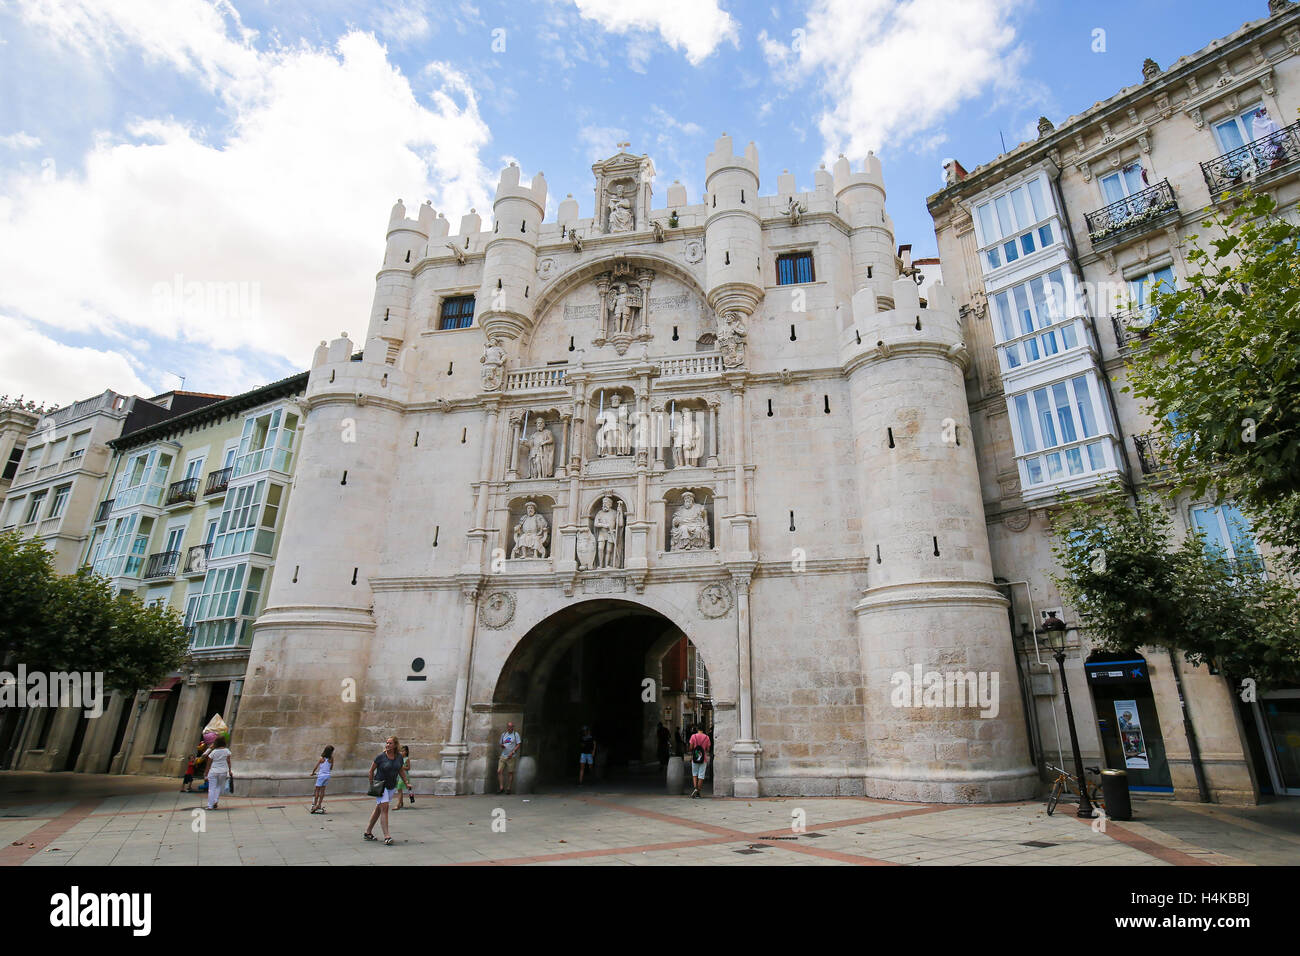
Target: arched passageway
(615,666)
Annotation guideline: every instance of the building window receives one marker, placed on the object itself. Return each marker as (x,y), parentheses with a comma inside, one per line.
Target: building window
(794,267)
(143,481)
(1140,293)
(1025,311)
(457,312)
(1013,224)
(1228,533)
(1129,181)
(238,520)
(79,443)
(60,500)
(267,442)
(226,609)
(34,507)
(11,466)
(1236,131)
(1056,421)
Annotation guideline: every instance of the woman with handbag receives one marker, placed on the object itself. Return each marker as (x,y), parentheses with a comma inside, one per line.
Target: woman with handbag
(384,774)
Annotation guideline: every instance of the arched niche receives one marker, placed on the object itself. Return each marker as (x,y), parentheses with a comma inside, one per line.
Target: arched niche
(689,538)
(683,432)
(607,526)
(524,432)
(616,429)
(522,544)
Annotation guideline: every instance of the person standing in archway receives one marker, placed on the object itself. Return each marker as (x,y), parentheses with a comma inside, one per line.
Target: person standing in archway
(586,754)
(700,746)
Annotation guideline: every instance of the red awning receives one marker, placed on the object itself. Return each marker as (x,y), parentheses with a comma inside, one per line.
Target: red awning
(165,688)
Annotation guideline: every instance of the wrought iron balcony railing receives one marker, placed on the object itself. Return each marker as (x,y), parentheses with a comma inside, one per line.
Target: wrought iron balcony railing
(187,489)
(217,481)
(1133,327)
(1133,214)
(196,559)
(162,565)
(1258,158)
(101,513)
(1150,452)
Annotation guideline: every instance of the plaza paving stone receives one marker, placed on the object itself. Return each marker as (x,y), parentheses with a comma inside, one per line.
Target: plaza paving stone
(80,820)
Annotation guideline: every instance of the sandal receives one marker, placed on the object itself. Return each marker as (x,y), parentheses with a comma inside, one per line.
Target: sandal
(367,836)
(388,841)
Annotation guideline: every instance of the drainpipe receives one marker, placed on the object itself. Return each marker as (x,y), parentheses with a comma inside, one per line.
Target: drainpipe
(1033,616)
(1194,751)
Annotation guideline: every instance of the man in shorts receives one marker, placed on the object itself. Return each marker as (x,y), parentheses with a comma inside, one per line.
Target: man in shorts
(510,742)
(586,754)
(699,746)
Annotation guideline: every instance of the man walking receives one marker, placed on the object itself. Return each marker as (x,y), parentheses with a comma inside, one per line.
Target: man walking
(510,742)
(700,746)
(586,754)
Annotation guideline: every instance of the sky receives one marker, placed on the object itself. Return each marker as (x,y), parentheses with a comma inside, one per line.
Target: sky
(197,191)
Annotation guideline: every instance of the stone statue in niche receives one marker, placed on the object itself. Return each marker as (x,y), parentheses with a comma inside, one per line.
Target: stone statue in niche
(620,307)
(731,339)
(620,212)
(541,451)
(613,435)
(690,527)
(532,534)
(688,439)
(607,527)
(494,362)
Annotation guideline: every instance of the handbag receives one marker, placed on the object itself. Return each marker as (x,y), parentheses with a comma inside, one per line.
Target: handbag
(376,788)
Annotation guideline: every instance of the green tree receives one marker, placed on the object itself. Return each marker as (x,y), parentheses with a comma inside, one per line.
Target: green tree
(1132,585)
(1221,375)
(75,622)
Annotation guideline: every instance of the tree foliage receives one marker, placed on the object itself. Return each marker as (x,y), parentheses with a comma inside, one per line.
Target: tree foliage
(1132,585)
(75,622)
(1221,375)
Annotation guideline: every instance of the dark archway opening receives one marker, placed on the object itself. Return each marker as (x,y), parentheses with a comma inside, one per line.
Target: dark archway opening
(617,667)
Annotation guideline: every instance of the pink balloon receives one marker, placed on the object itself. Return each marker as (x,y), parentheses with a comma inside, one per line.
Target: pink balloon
(210,736)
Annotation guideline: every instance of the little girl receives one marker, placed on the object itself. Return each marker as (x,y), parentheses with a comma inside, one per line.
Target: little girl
(322,771)
(401,784)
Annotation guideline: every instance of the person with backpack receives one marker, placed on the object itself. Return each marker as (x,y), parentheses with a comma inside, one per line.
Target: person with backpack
(700,746)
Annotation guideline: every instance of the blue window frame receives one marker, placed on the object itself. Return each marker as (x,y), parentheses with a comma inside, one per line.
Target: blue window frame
(457,312)
(794,267)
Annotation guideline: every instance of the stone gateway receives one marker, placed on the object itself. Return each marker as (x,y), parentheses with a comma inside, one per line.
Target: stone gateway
(749,380)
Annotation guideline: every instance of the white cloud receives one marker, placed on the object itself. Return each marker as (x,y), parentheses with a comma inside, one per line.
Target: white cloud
(292,202)
(35,365)
(695,26)
(890,70)
(19,140)
(601,142)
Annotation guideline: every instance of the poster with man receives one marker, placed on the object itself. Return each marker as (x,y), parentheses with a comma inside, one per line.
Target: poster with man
(1130,735)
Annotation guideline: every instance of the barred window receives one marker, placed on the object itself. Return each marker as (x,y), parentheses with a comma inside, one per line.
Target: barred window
(794,267)
(457,312)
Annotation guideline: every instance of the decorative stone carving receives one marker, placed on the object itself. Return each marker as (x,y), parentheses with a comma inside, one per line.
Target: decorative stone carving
(1045,126)
(794,211)
(575,240)
(494,362)
(624,306)
(694,250)
(1150,69)
(1017,521)
(545,268)
(690,526)
(541,451)
(497,610)
(532,534)
(620,211)
(687,439)
(658,228)
(731,339)
(979,304)
(715,600)
(458,252)
(607,527)
(623,192)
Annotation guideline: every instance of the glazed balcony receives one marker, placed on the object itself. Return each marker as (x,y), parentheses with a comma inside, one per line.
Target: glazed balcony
(1266,159)
(1133,216)
(218,481)
(162,565)
(182,492)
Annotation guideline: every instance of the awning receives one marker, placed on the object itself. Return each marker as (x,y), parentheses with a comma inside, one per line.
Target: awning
(163,690)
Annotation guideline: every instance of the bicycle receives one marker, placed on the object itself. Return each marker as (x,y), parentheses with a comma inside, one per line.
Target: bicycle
(1066,781)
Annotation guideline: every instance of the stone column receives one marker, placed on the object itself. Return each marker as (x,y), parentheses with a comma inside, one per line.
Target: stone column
(455,753)
(712,459)
(602,291)
(644,278)
(485,465)
(746,750)
(561,470)
(513,472)
(738,444)
(659,434)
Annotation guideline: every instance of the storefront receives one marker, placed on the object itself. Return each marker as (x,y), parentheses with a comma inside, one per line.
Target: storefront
(1276,719)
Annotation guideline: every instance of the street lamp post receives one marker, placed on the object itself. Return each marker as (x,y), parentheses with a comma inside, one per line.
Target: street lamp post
(1053,631)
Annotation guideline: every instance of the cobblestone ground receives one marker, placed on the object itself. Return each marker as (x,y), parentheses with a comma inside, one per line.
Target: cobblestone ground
(75,819)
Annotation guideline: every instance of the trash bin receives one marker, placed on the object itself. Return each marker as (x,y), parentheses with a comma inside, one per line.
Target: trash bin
(1114,788)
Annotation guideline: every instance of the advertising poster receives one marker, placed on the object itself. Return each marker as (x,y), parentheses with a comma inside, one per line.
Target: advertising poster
(1130,735)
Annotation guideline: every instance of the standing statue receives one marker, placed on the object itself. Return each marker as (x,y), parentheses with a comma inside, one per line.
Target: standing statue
(607,526)
(612,435)
(494,361)
(620,307)
(541,451)
(620,214)
(690,528)
(688,440)
(531,534)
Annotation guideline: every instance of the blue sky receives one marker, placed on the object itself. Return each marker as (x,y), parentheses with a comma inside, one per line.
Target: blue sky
(200,187)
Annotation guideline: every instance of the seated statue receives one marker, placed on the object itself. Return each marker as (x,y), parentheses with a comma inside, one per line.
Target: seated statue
(690,527)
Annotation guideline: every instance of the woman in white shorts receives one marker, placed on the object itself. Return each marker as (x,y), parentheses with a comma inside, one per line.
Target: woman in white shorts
(387,768)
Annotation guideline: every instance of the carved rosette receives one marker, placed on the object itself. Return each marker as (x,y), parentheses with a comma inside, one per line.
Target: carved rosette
(715,600)
(497,610)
